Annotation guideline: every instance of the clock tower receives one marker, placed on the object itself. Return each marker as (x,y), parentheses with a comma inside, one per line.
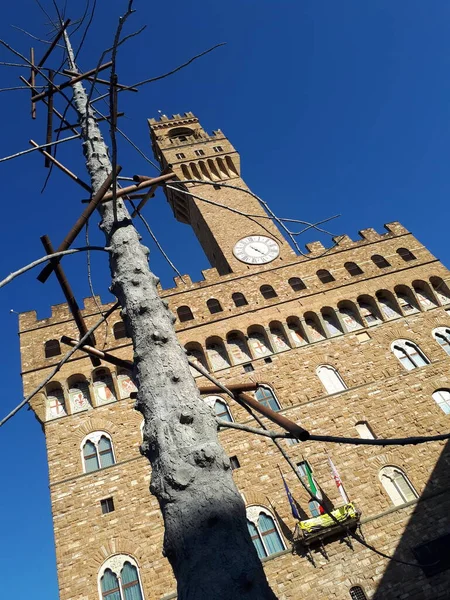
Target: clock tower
(232,241)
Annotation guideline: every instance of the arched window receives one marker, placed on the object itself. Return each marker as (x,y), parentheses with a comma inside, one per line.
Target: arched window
(119,579)
(257,340)
(214,306)
(387,305)
(442,399)
(239,299)
(332,324)
(397,485)
(409,354)
(52,348)
(314,508)
(266,397)
(441,290)
(184,314)
(217,354)
(369,313)
(442,336)
(119,330)
(56,406)
(237,347)
(406,254)
(103,386)
(125,383)
(280,342)
(97,451)
(264,531)
(296,284)
(267,292)
(325,276)
(380,261)
(220,407)
(353,269)
(364,431)
(330,379)
(357,593)
(79,394)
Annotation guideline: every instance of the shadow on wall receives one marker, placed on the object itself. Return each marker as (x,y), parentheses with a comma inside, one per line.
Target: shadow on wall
(426,540)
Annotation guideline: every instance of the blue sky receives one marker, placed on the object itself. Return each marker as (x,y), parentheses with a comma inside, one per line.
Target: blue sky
(334,107)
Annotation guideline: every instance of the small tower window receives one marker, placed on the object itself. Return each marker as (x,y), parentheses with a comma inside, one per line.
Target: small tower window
(357,593)
(119,330)
(380,261)
(214,306)
(234,462)
(353,269)
(239,299)
(52,348)
(325,276)
(199,153)
(406,254)
(184,314)
(364,431)
(217,148)
(180,155)
(296,284)
(268,292)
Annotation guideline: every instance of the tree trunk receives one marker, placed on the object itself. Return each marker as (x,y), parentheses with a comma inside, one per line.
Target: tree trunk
(206,538)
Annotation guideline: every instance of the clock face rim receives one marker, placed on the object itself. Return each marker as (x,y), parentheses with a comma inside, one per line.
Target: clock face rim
(268,257)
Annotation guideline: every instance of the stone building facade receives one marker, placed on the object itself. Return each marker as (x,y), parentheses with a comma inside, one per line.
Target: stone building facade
(352,341)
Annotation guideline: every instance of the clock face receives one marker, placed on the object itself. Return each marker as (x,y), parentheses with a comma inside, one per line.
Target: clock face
(256,250)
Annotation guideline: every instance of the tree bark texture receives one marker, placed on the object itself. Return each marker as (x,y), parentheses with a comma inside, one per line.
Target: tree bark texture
(206,538)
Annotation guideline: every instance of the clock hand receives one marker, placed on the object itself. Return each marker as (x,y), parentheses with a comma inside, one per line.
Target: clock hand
(257,249)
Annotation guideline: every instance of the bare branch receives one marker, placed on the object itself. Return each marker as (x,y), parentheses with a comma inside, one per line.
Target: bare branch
(39,261)
(59,365)
(34,37)
(155,239)
(254,430)
(179,67)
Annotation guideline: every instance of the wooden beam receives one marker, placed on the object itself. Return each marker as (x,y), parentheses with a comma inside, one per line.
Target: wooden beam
(57,113)
(66,84)
(53,44)
(81,221)
(51,75)
(69,296)
(106,356)
(32,83)
(120,86)
(233,387)
(139,186)
(62,167)
(120,114)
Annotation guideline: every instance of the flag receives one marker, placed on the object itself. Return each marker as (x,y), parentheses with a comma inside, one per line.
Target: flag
(338,481)
(313,486)
(290,498)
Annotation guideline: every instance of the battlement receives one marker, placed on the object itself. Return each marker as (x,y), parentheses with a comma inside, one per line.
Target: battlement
(315,250)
